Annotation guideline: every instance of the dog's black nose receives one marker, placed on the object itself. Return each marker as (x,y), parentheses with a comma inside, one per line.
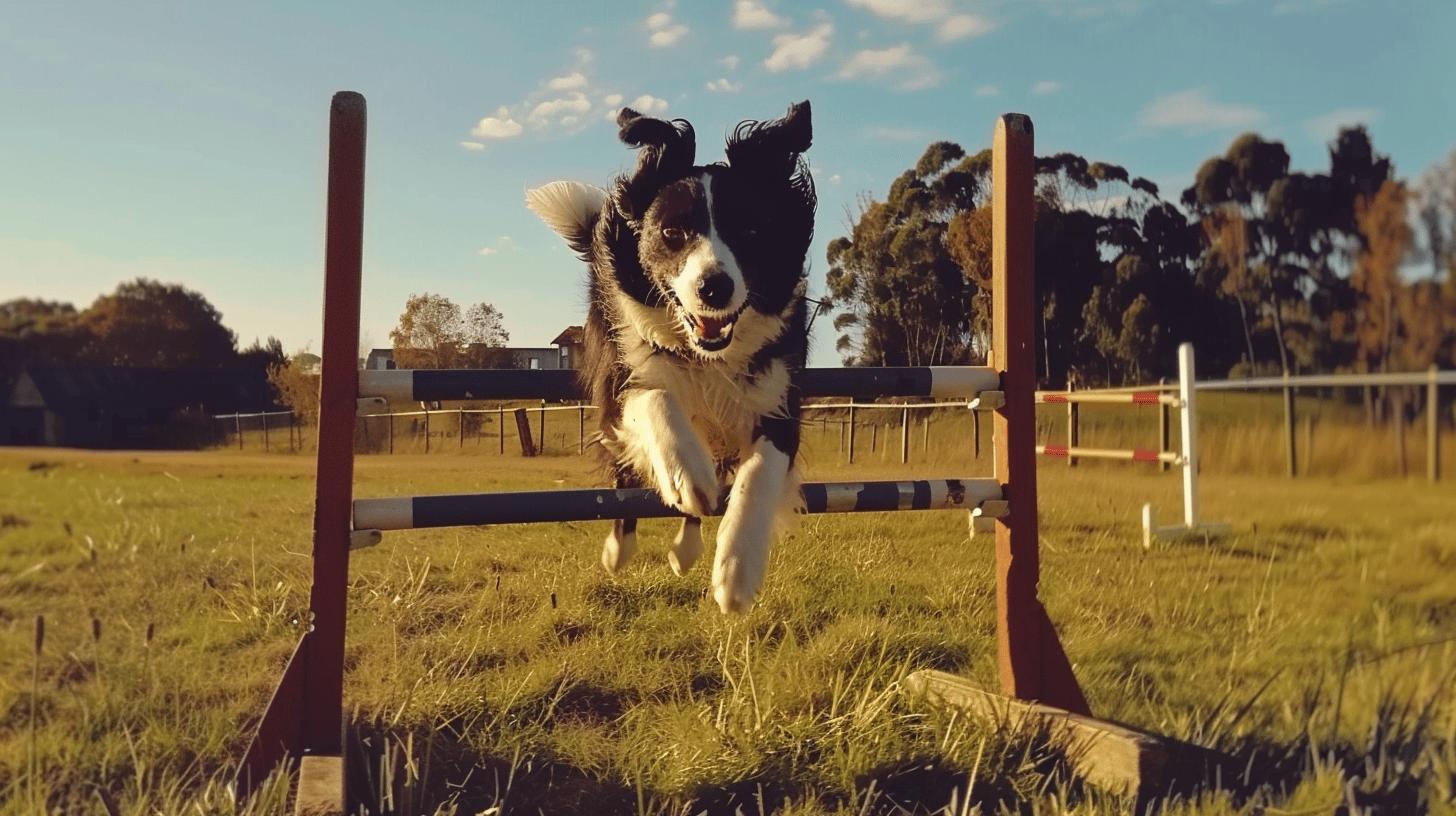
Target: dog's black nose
(716,290)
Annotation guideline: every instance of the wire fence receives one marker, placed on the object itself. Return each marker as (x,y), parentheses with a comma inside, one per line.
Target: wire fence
(1373,425)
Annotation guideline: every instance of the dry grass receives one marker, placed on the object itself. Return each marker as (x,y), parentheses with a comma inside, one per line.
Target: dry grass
(1315,644)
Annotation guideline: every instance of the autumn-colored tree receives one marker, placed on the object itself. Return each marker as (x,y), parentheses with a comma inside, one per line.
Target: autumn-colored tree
(148,323)
(1386,238)
(296,382)
(433,332)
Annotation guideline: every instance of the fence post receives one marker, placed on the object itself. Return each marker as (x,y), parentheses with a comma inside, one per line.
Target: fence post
(390,416)
(500,426)
(238,428)
(1397,415)
(427,430)
(291,448)
(925,442)
(266,447)
(541,448)
(1163,440)
(461,440)
(851,433)
(523,428)
(841,437)
(1433,425)
(1074,423)
(580,429)
(1290,463)
(904,435)
(976,433)
(874,436)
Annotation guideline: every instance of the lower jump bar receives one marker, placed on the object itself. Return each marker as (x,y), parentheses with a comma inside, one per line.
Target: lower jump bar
(470,509)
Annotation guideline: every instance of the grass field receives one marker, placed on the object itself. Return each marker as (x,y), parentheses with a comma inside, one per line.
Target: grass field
(1317,644)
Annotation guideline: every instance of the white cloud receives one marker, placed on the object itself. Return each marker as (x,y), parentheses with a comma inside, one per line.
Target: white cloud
(1327,126)
(730,62)
(473,147)
(724,86)
(1046,87)
(799,51)
(988,90)
(910,11)
(612,100)
(557,109)
(835,179)
(499,126)
(487,251)
(665,32)
(1191,111)
(907,69)
(962,27)
(649,104)
(573,81)
(748,14)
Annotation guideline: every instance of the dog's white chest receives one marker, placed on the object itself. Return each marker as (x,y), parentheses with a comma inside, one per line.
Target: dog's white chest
(723,405)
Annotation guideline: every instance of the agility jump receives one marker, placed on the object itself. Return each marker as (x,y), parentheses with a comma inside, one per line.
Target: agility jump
(305,721)
(1186,459)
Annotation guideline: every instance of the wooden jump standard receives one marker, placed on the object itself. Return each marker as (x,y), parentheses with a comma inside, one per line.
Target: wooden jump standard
(304,719)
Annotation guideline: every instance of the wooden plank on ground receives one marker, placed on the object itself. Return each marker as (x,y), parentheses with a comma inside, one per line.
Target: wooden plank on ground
(320,786)
(1111,756)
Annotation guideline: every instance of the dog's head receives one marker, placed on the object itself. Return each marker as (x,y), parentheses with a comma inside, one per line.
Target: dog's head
(721,247)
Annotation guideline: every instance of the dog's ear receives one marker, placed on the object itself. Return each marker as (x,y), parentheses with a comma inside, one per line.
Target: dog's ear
(665,154)
(570,208)
(772,148)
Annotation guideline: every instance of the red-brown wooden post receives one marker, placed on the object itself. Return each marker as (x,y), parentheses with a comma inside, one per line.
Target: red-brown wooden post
(1030,657)
(306,714)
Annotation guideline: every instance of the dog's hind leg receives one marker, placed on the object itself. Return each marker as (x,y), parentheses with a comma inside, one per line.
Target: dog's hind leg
(621,542)
(687,546)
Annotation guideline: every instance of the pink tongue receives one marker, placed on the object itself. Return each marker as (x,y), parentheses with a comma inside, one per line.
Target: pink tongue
(708,327)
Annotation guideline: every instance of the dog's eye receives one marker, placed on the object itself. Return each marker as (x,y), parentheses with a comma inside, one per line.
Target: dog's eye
(674,236)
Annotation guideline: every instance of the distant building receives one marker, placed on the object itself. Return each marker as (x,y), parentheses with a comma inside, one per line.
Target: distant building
(107,407)
(380,359)
(564,352)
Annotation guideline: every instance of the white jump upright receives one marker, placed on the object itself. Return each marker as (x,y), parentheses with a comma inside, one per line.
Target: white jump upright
(1188,424)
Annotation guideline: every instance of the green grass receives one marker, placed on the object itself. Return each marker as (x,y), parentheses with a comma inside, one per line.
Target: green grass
(1317,644)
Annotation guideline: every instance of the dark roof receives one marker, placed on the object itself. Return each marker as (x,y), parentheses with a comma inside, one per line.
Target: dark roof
(570,336)
(149,389)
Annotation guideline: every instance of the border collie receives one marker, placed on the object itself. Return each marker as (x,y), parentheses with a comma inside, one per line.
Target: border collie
(695,331)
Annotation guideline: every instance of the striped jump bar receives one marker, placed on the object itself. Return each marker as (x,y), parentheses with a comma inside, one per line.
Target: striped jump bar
(471,509)
(430,385)
(1127,398)
(1132,455)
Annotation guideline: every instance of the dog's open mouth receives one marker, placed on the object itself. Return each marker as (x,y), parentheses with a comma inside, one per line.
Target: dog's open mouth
(709,332)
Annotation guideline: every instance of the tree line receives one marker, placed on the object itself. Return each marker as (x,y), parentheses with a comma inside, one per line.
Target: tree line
(1263,268)
(142,324)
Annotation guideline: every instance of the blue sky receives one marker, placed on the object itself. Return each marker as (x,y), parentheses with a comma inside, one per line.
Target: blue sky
(186,141)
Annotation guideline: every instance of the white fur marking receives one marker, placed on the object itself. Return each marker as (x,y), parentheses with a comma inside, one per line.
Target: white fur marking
(658,439)
(686,547)
(747,530)
(709,256)
(616,552)
(566,206)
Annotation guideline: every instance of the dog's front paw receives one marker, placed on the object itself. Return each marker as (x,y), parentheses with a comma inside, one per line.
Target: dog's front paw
(686,479)
(739,566)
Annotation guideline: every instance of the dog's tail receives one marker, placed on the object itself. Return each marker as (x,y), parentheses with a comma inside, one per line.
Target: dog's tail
(571,209)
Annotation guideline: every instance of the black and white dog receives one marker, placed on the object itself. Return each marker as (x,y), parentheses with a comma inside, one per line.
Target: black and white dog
(695,332)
